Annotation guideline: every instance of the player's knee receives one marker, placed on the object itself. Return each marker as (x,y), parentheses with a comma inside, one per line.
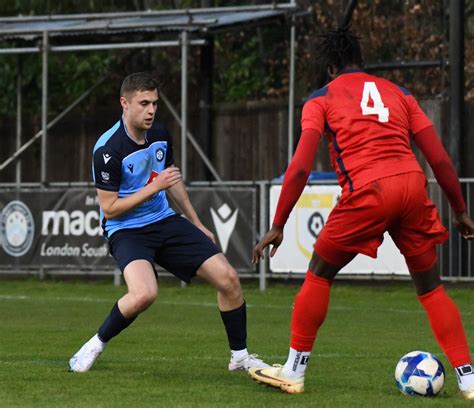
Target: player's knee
(422,262)
(324,269)
(229,283)
(423,271)
(144,299)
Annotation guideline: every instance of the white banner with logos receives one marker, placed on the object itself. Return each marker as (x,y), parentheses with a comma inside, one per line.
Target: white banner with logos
(306,222)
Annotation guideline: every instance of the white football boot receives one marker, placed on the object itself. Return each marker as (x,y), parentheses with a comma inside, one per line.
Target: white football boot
(247,362)
(83,360)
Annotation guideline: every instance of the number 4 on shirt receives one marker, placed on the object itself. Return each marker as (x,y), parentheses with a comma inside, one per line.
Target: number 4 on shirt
(371,91)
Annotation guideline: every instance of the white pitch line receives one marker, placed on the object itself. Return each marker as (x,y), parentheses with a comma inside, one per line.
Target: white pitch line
(181,357)
(202,304)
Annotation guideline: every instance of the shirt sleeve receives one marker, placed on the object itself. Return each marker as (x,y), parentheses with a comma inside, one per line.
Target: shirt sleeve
(430,145)
(313,115)
(106,169)
(418,118)
(296,176)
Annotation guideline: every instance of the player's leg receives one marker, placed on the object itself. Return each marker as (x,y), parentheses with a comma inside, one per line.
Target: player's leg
(142,288)
(187,252)
(220,274)
(416,233)
(444,317)
(355,225)
(309,313)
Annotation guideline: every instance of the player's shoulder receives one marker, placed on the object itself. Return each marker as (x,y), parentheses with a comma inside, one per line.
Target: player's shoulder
(317,93)
(158,132)
(111,140)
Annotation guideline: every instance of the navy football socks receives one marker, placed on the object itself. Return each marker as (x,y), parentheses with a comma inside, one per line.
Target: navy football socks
(235,322)
(114,324)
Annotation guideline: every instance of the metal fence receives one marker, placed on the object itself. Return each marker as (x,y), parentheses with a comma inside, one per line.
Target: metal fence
(456,261)
(456,256)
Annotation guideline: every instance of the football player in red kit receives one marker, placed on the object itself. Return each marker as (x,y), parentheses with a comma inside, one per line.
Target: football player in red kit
(370,123)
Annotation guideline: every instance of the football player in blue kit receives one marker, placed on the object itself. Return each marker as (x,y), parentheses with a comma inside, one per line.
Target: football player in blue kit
(133,170)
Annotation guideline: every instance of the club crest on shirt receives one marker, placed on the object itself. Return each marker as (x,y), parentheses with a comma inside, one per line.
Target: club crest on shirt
(105,176)
(160,154)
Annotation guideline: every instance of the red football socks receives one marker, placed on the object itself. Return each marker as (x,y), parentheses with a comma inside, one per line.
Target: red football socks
(446,324)
(309,311)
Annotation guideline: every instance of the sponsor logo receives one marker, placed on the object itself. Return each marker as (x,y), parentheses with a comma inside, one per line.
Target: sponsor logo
(130,167)
(297,360)
(105,176)
(464,370)
(75,223)
(153,176)
(67,250)
(160,154)
(92,200)
(16,228)
(304,360)
(106,157)
(224,221)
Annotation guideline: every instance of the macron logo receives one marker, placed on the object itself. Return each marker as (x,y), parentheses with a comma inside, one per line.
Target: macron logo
(106,157)
(224,221)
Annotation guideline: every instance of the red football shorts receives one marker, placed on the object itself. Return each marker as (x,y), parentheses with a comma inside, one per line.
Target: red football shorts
(398,204)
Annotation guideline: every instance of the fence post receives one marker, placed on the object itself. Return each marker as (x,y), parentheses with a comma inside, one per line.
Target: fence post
(117,277)
(263,216)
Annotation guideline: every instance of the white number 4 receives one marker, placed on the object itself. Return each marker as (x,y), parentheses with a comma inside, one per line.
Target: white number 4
(371,91)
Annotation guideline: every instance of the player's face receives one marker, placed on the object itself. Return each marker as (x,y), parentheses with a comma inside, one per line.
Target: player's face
(139,109)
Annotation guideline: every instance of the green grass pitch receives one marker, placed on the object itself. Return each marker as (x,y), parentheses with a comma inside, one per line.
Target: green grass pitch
(176,355)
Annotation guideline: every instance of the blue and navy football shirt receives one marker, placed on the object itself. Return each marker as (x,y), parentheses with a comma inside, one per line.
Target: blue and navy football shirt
(120,164)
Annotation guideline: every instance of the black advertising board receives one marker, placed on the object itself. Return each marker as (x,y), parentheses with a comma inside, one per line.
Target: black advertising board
(61,227)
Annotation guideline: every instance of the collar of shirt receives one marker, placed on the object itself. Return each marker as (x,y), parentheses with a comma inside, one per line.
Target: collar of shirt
(128,134)
(349,71)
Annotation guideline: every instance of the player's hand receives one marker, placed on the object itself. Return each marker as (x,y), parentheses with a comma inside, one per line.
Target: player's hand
(464,225)
(208,233)
(274,237)
(167,178)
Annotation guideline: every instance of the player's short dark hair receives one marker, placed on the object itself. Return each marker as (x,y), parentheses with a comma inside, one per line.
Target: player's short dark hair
(341,48)
(139,81)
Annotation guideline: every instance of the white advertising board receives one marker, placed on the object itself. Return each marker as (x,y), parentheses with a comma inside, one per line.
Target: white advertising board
(306,222)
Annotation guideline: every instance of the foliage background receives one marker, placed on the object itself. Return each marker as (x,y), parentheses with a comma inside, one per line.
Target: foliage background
(249,63)
(250,81)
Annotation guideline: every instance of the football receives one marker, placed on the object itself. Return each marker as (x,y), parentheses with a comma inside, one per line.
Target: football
(419,373)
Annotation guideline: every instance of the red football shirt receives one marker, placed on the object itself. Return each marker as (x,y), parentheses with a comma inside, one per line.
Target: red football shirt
(368,121)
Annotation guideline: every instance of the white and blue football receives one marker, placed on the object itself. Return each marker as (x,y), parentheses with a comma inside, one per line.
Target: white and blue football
(419,373)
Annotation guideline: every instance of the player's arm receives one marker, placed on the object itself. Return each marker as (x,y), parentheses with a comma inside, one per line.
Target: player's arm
(179,194)
(296,176)
(430,145)
(114,206)
(294,181)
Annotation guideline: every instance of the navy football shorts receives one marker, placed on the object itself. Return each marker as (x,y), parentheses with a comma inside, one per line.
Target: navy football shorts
(174,243)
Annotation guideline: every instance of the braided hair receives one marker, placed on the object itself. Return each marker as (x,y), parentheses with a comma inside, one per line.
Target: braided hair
(340,48)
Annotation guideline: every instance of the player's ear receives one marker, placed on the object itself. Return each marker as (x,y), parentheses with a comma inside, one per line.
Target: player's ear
(123,102)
